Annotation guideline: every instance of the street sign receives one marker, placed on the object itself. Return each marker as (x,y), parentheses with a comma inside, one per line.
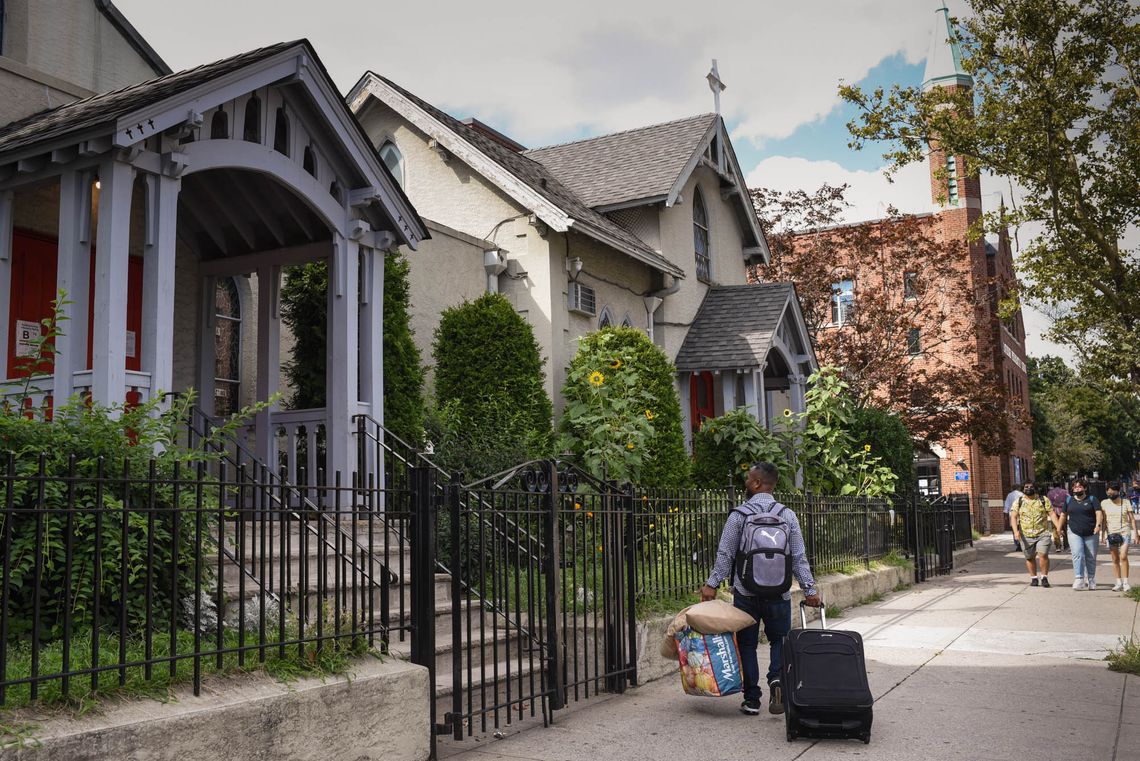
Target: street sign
(961,475)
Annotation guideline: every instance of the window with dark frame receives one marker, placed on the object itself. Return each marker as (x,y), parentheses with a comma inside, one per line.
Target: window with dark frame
(227,347)
(914,341)
(701,237)
(281,132)
(394,160)
(251,128)
(220,125)
(910,285)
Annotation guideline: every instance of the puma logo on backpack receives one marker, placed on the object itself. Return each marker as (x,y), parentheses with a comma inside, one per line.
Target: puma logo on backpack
(763,560)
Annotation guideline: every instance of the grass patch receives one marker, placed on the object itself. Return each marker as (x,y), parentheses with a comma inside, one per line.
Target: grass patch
(18,735)
(975,534)
(850,569)
(333,657)
(902,586)
(833,611)
(871,598)
(1127,658)
(652,607)
(1133,593)
(896,559)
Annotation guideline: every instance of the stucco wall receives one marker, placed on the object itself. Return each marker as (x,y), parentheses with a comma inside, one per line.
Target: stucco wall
(726,257)
(66,40)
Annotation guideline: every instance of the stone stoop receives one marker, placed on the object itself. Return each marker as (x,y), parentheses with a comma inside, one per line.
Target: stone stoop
(377,711)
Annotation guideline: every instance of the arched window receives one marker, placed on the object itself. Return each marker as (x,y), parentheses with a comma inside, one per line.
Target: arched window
(701,236)
(334,191)
(281,132)
(251,130)
(220,126)
(227,347)
(394,160)
(309,161)
(605,319)
(626,322)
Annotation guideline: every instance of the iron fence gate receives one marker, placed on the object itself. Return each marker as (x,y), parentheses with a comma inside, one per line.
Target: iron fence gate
(933,530)
(537,607)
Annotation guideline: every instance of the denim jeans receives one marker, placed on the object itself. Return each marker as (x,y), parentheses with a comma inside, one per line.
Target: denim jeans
(1083,549)
(776,615)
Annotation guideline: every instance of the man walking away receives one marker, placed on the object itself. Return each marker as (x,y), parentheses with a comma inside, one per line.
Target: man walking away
(1084,518)
(1033,523)
(774,612)
(1014,494)
(1057,496)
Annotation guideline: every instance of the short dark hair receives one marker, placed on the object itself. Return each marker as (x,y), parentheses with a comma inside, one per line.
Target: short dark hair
(1081,481)
(764,472)
(1114,485)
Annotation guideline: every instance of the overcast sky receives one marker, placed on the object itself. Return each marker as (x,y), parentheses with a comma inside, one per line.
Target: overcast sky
(550,72)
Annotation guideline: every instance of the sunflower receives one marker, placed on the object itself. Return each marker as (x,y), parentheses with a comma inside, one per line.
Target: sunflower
(744,466)
(615,364)
(577,505)
(589,514)
(649,414)
(597,379)
(866,447)
(787,413)
(629,445)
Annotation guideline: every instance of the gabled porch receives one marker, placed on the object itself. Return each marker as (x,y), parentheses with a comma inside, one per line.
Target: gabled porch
(747,348)
(168,213)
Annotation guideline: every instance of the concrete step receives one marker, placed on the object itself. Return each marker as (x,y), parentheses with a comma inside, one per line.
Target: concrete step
(485,647)
(478,694)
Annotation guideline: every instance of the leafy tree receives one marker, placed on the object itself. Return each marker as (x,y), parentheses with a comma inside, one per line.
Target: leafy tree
(889,439)
(403,372)
(636,402)
(1055,106)
(726,446)
(489,378)
(945,302)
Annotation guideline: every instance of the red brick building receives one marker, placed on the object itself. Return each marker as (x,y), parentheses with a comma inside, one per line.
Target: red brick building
(995,344)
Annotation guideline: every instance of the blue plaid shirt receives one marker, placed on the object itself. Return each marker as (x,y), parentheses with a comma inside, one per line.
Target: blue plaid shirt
(730,542)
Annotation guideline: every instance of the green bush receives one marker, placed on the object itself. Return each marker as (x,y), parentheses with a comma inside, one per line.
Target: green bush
(726,446)
(889,440)
(627,416)
(403,371)
(304,309)
(489,382)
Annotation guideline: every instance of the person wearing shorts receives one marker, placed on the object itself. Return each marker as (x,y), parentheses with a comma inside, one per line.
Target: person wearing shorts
(1119,532)
(1034,522)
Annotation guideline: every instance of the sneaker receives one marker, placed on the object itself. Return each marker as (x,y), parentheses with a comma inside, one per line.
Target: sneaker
(1034,582)
(1117,586)
(1045,582)
(775,697)
(750,707)
(1092,584)
(1079,585)
(1125,587)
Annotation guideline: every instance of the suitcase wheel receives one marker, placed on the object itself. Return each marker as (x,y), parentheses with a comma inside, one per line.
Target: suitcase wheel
(792,736)
(866,739)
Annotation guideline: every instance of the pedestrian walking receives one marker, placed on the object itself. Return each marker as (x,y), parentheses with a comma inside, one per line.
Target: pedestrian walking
(775,611)
(1014,493)
(1033,524)
(1119,533)
(1084,518)
(1057,496)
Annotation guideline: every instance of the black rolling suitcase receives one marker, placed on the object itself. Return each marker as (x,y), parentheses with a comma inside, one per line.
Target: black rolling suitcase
(824,679)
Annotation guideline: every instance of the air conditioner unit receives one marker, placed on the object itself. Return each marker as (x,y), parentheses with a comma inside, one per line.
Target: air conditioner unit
(582,299)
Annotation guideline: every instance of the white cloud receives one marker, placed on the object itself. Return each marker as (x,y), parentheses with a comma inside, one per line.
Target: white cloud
(543,71)
(870,192)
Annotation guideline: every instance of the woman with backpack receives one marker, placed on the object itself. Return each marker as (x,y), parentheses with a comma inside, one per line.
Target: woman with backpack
(1119,532)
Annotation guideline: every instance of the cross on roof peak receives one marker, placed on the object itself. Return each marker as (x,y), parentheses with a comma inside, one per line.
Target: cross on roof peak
(715,84)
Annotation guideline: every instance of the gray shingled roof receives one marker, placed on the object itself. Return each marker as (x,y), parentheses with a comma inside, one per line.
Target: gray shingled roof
(626,166)
(734,327)
(541,180)
(104,109)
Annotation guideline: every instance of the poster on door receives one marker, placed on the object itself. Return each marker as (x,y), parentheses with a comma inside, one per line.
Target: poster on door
(27,338)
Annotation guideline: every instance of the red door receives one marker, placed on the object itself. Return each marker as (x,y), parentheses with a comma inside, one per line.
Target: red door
(33,290)
(702,404)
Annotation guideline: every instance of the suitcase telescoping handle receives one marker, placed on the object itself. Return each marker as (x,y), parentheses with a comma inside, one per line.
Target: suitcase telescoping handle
(803,615)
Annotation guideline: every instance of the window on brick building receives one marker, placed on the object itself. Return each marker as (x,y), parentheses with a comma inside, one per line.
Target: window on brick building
(952,180)
(842,301)
(910,285)
(701,237)
(914,341)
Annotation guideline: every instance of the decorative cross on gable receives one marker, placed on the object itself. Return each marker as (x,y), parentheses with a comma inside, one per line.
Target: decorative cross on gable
(716,85)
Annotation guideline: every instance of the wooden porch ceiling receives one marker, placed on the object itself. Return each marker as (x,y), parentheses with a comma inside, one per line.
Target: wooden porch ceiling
(230,212)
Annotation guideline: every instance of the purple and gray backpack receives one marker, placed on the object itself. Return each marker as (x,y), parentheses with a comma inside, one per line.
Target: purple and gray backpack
(763,560)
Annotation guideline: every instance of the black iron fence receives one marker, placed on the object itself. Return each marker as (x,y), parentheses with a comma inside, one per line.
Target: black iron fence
(522,587)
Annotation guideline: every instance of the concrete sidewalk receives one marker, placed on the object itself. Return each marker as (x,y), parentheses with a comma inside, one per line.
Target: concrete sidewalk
(977,665)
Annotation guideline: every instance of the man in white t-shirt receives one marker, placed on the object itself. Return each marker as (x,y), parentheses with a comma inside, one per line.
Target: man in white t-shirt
(1014,495)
